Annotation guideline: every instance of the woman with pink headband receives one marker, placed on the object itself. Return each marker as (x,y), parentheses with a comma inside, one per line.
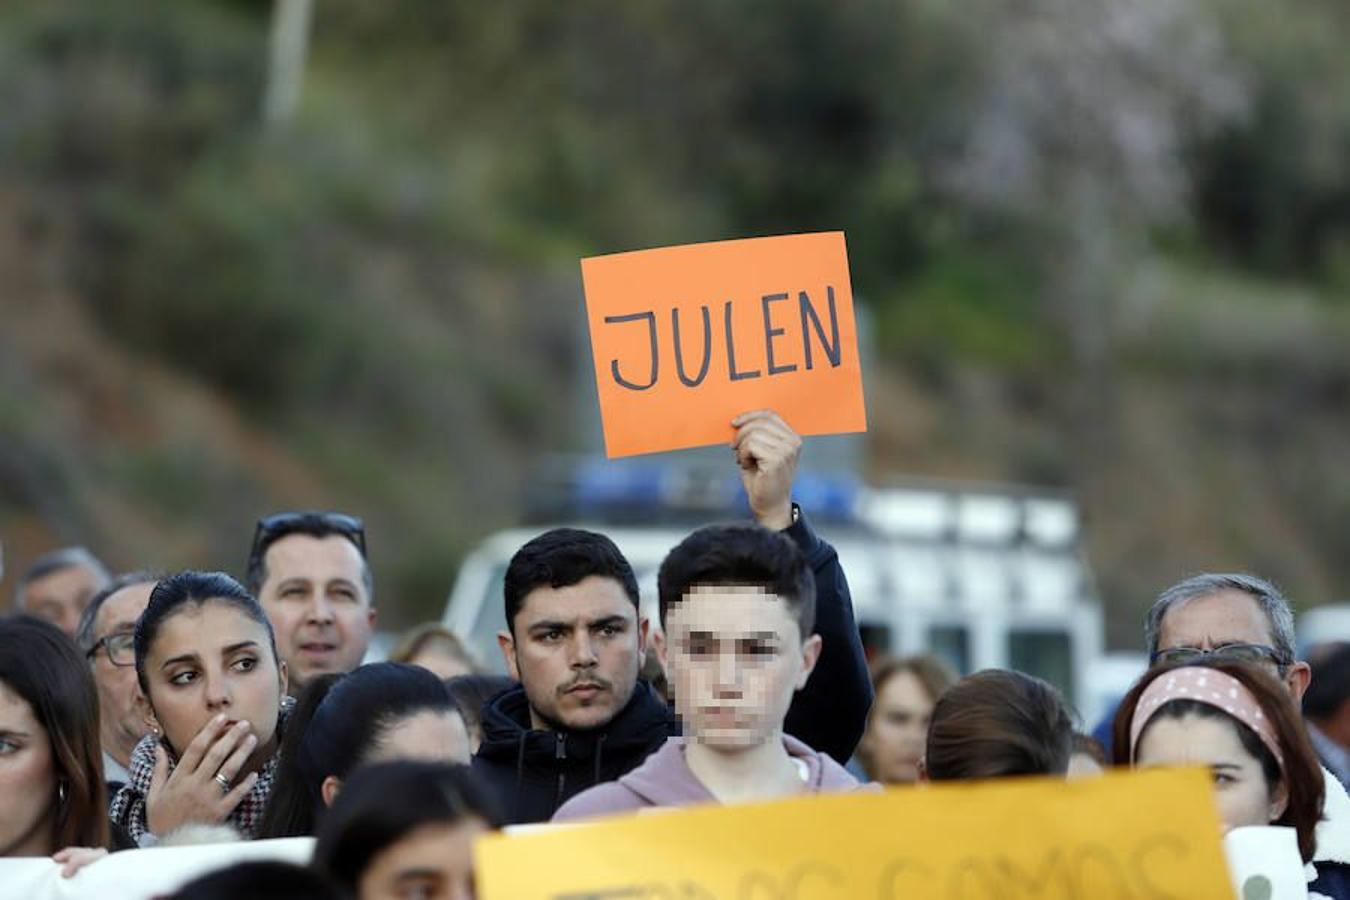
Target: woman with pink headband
(1239,721)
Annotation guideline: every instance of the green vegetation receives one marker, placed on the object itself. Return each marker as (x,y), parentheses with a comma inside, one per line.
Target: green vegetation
(1100,268)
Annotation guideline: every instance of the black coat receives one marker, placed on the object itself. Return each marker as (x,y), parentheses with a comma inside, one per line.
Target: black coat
(1333,880)
(534,772)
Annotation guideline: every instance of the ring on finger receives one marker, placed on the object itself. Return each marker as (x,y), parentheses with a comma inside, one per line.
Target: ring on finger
(223,782)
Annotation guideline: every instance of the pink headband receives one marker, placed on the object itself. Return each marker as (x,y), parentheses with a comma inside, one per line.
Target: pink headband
(1211,687)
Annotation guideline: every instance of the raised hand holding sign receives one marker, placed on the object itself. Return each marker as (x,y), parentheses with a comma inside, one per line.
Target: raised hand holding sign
(767,451)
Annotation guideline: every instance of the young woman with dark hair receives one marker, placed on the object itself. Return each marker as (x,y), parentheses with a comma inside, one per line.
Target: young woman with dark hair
(1239,720)
(376,713)
(215,700)
(405,829)
(998,723)
(897,727)
(51,767)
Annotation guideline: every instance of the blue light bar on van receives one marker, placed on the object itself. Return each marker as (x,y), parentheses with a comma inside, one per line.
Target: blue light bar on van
(601,483)
(833,497)
(600,487)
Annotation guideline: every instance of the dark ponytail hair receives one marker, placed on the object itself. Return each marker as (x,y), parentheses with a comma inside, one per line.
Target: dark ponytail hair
(998,723)
(384,803)
(338,721)
(192,589)
(42,665)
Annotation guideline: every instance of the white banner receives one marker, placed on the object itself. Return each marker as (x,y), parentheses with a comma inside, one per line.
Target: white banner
(1265,863)
(139,874)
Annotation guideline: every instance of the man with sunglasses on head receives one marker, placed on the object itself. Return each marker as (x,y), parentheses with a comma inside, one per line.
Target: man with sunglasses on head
(309,571)
(106,635)
(1242,617)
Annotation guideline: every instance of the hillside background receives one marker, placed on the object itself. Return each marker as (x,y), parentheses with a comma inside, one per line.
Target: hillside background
(1104,246)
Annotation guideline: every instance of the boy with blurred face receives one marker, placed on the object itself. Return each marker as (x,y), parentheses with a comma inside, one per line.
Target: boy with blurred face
(737,605)
(310,574)
(575,640)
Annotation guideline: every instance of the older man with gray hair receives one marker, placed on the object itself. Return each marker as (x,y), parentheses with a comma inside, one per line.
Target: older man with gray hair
(1233,615)
(106,635)
(58,585)
(1242,617)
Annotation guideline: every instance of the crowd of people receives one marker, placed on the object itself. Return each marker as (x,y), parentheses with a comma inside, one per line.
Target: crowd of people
(172,708)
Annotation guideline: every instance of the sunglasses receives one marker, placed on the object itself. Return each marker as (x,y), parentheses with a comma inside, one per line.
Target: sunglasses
(1246,653)
(271,528)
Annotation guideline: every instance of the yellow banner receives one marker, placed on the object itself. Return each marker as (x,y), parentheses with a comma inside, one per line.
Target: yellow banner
(1147,835)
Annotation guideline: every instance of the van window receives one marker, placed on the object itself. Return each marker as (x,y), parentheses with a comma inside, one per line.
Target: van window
(1045,653)
(951,644)
(491,619)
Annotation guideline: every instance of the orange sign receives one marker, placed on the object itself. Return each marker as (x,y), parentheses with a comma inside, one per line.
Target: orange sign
(684,339)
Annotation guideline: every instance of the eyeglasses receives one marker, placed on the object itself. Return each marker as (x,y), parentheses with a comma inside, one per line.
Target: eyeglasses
(120,647)
(1247,653)
(274,527)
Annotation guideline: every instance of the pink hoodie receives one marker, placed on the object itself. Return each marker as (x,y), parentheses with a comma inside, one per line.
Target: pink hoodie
(664,779)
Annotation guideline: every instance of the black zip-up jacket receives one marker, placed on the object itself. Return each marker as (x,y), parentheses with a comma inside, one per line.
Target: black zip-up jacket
(533,772)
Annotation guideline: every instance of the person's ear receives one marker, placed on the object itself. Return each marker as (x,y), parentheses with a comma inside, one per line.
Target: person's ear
(810,656)
(371,616)
(923,770)
(283,676)
(659,644)
(1279,800)
(146,712)
(329,789)
(1297,680)
(507,643)
(644,634)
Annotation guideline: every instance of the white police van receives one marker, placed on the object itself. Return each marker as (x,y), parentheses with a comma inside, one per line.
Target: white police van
(980,575)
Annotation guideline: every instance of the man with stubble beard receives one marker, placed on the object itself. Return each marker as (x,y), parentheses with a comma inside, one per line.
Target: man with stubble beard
(575,641)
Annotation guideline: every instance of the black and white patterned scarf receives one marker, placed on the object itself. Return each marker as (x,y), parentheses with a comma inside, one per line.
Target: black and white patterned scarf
(128,805)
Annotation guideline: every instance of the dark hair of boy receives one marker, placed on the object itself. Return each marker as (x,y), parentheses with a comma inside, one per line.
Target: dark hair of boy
(560,558)
(742,555)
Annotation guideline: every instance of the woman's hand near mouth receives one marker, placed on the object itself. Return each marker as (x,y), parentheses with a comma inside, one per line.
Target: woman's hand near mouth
(192,792)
